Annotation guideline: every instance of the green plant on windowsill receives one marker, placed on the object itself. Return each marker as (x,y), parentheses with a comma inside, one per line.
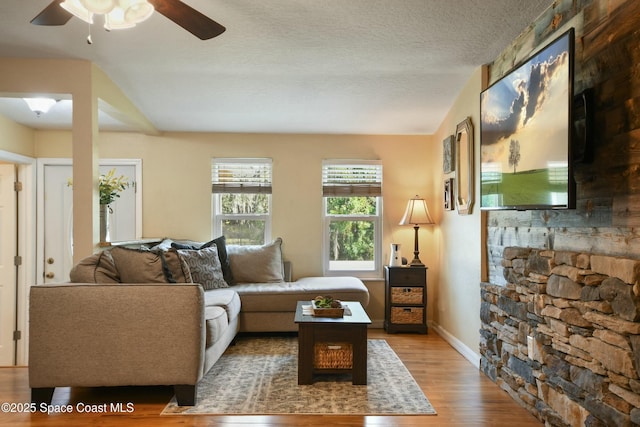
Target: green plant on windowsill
(109,185)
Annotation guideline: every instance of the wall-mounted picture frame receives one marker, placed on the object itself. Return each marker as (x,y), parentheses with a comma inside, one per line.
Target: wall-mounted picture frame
(448,154)
(448,194)
(464,167)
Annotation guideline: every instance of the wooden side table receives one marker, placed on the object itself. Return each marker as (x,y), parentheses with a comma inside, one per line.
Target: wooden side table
(405,299)
(349,332)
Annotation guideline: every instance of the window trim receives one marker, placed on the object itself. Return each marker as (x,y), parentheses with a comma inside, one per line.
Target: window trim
(354,190)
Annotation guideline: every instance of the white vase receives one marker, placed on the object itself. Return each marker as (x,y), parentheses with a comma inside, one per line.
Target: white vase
(396,256)
(104,223)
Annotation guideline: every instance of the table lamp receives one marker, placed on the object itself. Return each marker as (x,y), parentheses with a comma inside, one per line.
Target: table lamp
(416,214)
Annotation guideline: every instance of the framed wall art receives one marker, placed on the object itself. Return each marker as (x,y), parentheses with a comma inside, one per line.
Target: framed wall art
(448,194)
(448,147)
(464,167)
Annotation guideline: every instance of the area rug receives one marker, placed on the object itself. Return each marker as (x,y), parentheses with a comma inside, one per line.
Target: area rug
(259,376)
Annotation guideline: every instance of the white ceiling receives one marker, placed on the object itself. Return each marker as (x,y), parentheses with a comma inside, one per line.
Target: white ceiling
(303,66)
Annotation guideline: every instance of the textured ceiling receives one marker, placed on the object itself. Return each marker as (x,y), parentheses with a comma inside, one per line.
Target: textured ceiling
(304,66)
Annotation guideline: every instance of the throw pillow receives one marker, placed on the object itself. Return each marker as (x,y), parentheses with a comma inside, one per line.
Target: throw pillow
(204,266)
(257,264)
(106,271)
(139,266)
(165,244)
(96,268)
(221,245)
(178,270)
(179,245)
(84,271)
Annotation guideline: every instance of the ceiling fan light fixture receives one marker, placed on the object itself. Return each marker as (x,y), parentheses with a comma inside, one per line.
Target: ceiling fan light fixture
(127,14)
(136,11)
(40,105)
(76,8)
(99,7)
(115,20)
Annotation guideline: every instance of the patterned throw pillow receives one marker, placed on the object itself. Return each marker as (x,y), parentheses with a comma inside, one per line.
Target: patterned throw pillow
(221,245)
(204,266)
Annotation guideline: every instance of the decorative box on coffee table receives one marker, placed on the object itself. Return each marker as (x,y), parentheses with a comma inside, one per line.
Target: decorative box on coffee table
(332,345)
(406,299)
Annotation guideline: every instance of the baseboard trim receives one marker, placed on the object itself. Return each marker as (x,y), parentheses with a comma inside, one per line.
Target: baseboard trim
(459,346)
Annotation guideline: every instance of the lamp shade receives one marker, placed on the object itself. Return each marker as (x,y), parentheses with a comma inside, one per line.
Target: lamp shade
(417,213)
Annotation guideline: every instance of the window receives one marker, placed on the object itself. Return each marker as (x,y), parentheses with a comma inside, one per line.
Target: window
(352,206)
(242,200)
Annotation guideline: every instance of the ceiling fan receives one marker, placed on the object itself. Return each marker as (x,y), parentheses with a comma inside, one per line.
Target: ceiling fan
(187,17)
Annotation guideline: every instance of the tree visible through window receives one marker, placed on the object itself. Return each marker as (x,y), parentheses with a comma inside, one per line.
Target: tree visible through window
(242,200)
(351,240)
(352,210)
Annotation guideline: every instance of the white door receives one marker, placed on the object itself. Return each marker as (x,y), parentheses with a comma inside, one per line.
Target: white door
(58,208)
(8,251)
(58,220)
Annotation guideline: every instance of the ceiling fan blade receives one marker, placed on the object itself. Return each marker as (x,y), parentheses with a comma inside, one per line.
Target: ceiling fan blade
(188,18)
(52,15)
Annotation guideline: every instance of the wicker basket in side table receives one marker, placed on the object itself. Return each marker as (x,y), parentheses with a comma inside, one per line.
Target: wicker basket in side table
(333,355)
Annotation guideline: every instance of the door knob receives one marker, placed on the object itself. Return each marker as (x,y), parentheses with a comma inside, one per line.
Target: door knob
(50,275)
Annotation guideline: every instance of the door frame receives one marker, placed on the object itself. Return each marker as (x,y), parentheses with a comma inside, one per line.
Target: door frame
(26,245)
(42,162)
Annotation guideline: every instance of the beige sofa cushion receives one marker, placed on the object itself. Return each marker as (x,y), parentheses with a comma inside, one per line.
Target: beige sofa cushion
(221,307)
(257,264)
(227,298)
(283,296)
(217,323)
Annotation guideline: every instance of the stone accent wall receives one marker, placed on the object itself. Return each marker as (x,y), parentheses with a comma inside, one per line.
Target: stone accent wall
(563,336)
(561,323)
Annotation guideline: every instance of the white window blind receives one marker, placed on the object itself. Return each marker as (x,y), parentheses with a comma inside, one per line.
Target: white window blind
(347,178)
(241,176)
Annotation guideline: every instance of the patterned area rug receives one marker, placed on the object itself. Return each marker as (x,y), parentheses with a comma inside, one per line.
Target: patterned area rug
(259,376)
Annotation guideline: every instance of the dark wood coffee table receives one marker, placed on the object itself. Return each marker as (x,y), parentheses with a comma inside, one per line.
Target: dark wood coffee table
(350,329)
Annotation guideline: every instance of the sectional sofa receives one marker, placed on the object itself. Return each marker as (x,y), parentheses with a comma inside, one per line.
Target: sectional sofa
(163,314)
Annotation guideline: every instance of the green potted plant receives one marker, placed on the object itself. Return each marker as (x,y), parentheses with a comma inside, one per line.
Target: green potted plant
(111,186)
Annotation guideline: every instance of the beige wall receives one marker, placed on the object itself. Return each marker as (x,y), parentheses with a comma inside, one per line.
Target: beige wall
(458,291)
(16,138)
(177,185)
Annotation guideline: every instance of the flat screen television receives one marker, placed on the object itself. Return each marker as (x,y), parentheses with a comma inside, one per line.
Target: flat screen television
(526,133)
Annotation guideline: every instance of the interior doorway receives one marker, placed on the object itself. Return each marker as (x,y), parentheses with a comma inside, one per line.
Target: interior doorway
(55,209)
(17,253)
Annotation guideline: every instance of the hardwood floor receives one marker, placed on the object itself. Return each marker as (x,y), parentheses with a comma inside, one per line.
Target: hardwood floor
(461,395)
